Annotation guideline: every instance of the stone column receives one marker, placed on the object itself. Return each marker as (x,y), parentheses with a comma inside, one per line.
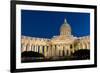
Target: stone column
(88,45)
(36,48)
(79,46)
(83,45)
(48,51)
(41,49)
(23,47)
(45,48)
(61,52)
(32,47)
(66,47)
(27,47)
(57,50)
(52,50)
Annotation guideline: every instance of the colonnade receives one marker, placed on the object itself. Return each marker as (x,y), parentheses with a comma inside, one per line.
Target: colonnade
(83,45)
(49,50)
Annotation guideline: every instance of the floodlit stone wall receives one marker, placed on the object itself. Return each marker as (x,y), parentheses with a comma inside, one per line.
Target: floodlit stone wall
(54,47)
(62,45)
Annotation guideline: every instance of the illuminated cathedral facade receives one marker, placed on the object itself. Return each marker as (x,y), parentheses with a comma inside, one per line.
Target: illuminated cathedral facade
(62,45)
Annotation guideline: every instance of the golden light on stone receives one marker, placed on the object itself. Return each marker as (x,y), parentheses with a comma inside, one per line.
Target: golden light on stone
(61,45)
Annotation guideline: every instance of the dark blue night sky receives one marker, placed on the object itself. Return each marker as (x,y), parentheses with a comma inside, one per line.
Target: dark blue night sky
(46,24)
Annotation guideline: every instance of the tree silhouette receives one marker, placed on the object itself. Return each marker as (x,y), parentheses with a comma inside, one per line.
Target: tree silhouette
(82,54)
(31,54)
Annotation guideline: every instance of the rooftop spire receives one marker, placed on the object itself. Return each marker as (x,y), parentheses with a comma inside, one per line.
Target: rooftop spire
(65,21)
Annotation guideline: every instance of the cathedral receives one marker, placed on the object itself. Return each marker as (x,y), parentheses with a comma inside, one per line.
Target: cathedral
(62,45)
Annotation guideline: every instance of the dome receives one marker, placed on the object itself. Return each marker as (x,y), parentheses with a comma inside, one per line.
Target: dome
(65,28)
